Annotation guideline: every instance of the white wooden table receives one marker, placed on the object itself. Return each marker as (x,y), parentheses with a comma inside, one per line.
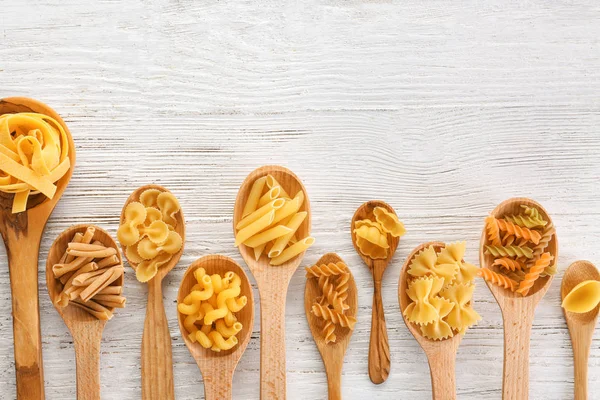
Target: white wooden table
(443,109)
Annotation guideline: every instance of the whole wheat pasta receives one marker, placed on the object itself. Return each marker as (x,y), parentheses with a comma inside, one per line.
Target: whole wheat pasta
(534,273)
(518,231)
(326,270)
(334,316)
(332,295)
(497,279)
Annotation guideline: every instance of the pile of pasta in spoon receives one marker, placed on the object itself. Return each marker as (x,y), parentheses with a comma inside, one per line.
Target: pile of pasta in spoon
(90,274)
(518,244)
(373,234)
(270,220)
(34,155)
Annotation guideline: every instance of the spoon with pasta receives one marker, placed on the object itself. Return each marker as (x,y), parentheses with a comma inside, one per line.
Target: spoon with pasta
(271,222)
(580,291)
(376,232)
(152,234)
(37,163)
(85,320)
(217,346)
(518,272)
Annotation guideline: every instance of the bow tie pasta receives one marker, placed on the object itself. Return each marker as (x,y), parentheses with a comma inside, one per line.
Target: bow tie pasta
(373,233)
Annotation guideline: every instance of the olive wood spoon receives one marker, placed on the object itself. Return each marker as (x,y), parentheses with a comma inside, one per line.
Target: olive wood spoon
(272,284)
(441,354)
(517,311)
(379,348)
(22,233)
(217,368)
(85,329)
(157,354)
(331,353)
(581,326)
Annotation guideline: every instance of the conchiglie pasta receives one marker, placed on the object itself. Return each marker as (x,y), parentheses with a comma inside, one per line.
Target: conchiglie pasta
(583,298)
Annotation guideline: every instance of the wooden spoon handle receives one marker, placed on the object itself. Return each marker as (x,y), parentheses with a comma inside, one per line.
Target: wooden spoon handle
(157,358)
(443,374)
(272,345)
(581,338)
(517,332)
(218,384)
(23,267)
(87,359)
(379,349)
(334,378)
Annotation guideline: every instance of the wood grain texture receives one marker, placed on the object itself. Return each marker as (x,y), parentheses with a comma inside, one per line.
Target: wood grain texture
(441,109)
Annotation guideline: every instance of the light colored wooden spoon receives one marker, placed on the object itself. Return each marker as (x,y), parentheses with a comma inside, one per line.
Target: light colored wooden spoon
(379,348)
(22,233)
(581,326)
(157,355)
(272,284)
(441,354)
(331,353)
(517,311)
(217,368)
(85,329)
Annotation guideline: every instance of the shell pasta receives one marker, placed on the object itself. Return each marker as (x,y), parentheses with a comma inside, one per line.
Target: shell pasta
(270,221)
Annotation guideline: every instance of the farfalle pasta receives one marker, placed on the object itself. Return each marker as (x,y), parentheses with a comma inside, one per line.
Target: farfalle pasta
(34,155)
(209,310)
(147,232)
(518,245)
(440,288)
(270,221)
(372,234)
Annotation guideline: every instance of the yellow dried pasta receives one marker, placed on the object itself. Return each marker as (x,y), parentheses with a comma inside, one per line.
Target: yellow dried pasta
(372,234)
(389,222)
(583,298)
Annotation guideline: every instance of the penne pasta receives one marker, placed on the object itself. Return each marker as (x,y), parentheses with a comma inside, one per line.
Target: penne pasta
(267,236)
(282,241)
(274,205)
(272,182)
(293,251)
(254,228)
(290,207)
(269,196)
(254,196)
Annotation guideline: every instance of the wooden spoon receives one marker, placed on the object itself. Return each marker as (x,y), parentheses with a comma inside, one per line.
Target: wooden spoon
(581,326)
(331,353)
(379,348)
(85,329)
(22,233)
(517,311)
(157,356)
(441,354)
(272,285)
(217,368)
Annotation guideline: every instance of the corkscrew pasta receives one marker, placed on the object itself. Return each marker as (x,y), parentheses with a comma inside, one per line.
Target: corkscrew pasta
(34,155)
(208,310)
(373,233)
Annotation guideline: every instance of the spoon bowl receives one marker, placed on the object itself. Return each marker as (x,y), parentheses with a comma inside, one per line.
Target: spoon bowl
(217,368)
(581,325)
(331,353)
(272,282)
(22,233)
(85,329)
(379,348)
(441,354)
(157,355)
(517,311)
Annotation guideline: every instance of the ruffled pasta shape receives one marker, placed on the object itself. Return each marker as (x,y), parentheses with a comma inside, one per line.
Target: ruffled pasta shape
(420,311)
(389,222)
(367,222)
(372,235)
(371,250)
(169,206)
(583,298)
(423,263)
(149,198)
(462,316)
(439,329)
(147,249)
(134,216)
(147,269)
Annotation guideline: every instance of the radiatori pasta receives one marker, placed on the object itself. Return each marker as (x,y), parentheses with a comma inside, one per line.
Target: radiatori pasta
(271,220)
(34,155)
(209,310)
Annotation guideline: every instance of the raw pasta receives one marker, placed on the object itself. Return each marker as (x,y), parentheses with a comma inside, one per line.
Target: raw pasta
(326,270)
(208,310)
(372,234)
(147,232)
(534,273)
(518,231)
(34,155)
(389,222)
(583,298)
(498,279)
(92,275)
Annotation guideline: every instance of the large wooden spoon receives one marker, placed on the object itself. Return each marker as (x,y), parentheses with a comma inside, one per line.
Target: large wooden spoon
(441,354)
(22,233)
(581,326)
(157,355)
(379,348)
(272,284)
(85,329)
(517,311)
(331,353)
(217,368)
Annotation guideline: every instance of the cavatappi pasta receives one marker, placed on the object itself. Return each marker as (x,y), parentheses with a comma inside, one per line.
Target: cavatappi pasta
(208,311)
(518,245)
(270,222)
(147,232)
(331,306)
(89,273)
(583,298)
(373,234)
(440,289)
(34,155)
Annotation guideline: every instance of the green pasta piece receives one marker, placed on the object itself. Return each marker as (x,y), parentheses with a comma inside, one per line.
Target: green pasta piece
(526,220)
(509,251)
